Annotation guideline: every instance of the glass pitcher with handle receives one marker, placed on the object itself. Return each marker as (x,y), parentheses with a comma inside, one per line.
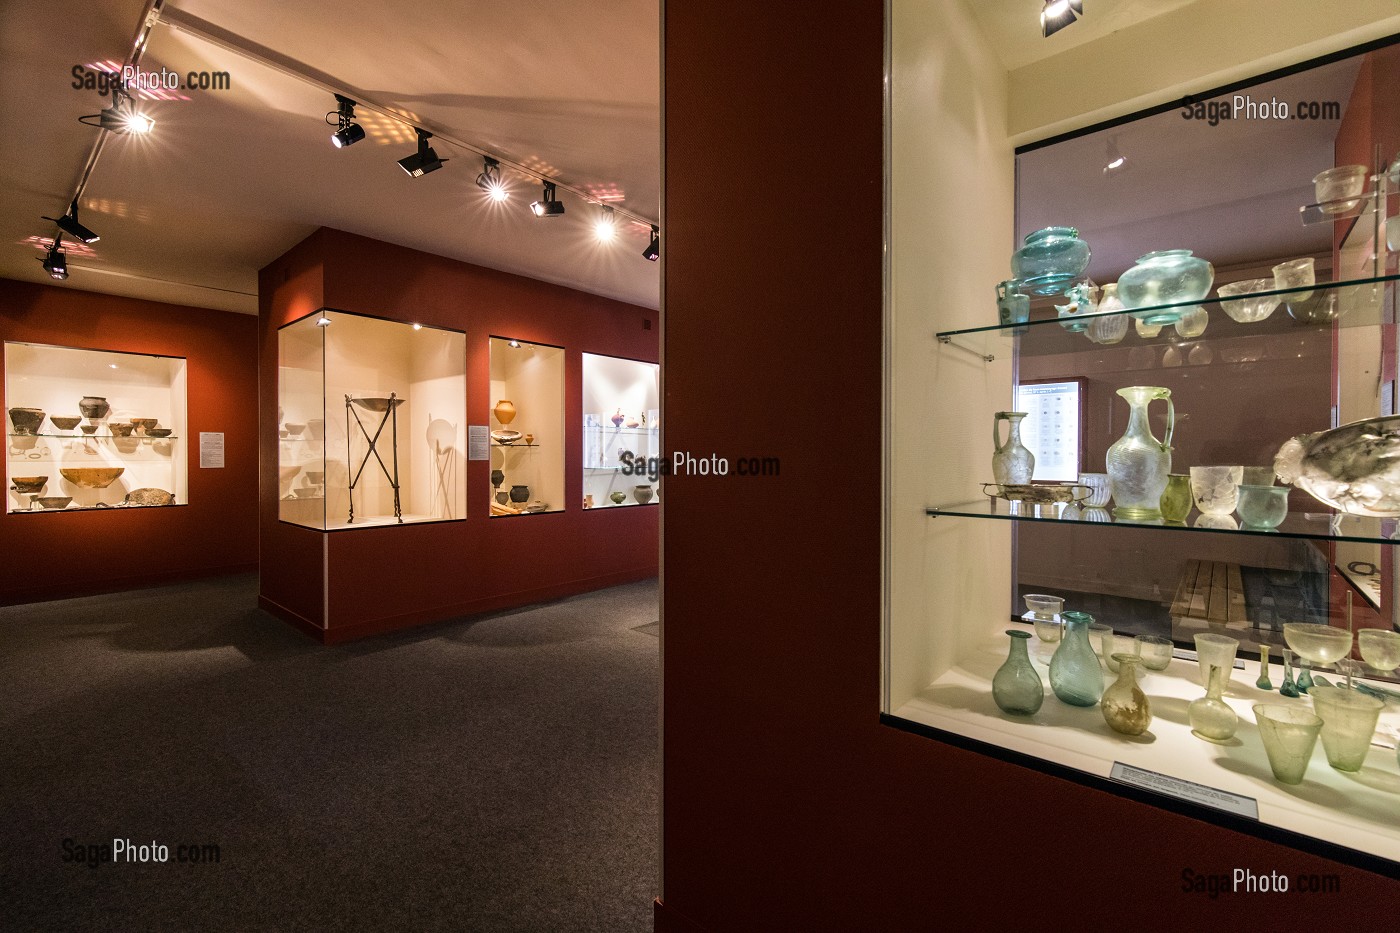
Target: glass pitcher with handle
(1138,464)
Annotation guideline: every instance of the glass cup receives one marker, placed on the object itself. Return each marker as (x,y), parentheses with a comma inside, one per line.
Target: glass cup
(1249,310)
(1101,637)
(1192,322)
(1262,508)
(1258,476)
(1176,498)
(1216,488)
(1213,650)
(1295,273)
(1348,724)
(1100,490)
(1045,615)
(1289,734)
(1379,648)
(1155,651)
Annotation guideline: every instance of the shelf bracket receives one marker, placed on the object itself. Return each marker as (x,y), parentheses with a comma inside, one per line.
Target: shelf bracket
(984,357)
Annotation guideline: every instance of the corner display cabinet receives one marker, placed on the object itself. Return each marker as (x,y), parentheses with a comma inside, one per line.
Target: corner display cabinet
(1065,622)
(93,429)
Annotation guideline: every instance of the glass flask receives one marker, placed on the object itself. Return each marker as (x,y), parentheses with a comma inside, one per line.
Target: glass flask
(1075,675)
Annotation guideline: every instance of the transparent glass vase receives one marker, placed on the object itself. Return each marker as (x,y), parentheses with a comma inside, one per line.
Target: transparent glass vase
(1016,687)
(1075,675)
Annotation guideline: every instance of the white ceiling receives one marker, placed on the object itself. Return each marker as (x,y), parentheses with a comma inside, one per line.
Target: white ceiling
(230,179)
(1013,26)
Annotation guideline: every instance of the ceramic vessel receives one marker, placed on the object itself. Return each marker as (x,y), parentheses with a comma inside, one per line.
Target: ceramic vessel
(1354,468)
(1050,260)
(1175,503)
(506,438)
(1138,463)
(301,492)
(1215,650)
(1100,489)
(149,495)
(159,432)
(502,497)
(1248,310)
(295,429)
(1082,301)
(65,422)
(1216,488)
(1289,734)
(1011,461)
(1262,508)
(529,439)
(618,418)
(1348,724)
(316,428)
(93,406)
(1155,651)
(497,478)
(1379,648)
(1211,717)
(504,411)
(92,477)
(54,502)
(1012,306)
(617,497)
(120,428)
(642,494)
(1108,327)
(315,477)
(1124,706)
(1339,189)
(28,484)
(1075,675)
(144,425)
(1167,276)
(1016,686)
(519,494)
(26,420)
(378,405)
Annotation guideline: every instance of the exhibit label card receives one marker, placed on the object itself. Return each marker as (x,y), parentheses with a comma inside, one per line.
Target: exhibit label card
(211,450)
(1185,790)
(478,442)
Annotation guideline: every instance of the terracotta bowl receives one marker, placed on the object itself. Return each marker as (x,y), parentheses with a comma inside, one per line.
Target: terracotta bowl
(159,432)
(288,471)
(26,420)
(295,429)
(29,484)
(306,492)
(88,429)
(315,477)
(65,422)
(120,428)
(92,477)
(55,502)
(149,495)
(142,425)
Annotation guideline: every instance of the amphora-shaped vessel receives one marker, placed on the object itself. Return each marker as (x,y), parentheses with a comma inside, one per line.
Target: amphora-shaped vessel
(1138,464)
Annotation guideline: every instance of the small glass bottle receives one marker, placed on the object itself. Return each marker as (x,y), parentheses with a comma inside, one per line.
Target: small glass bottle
(1211,717)
(1288,688)
(1264,683)
(1124,706)
(1016,687)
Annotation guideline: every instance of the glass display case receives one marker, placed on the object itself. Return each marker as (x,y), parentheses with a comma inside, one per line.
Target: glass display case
(621,432)
(1235,508)
(527,427)
(371,422)
(93,429)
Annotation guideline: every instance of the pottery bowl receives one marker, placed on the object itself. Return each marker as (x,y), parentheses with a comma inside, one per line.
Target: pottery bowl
(144,425)
(1340,185)
(26,420)
(1253,309)
(120,428)
(506,437)
(55,502)
(92,477)
(64,422)
(149,495)
(379,405)
(306,492)
(159,432)
(295,429)
(29,484)
(1322,644)
(88,428)
(315,477)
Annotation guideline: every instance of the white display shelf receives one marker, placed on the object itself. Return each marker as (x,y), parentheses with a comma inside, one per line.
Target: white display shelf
(1360,811)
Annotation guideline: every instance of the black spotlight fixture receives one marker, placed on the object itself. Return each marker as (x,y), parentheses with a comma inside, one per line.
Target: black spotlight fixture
(55,263)
(547,206)
(68,223)
(347,131)
(121,117)
(423,161)
(490,180)
(1058,14)
(653,250)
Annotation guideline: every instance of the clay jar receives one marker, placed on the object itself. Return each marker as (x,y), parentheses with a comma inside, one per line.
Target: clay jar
(504,411)
(94,406)
(519,494)
(26,420)
(642,494)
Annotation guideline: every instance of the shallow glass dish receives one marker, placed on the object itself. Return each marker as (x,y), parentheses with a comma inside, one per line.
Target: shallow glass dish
(1322,644)
(1253,309)
(1339,189)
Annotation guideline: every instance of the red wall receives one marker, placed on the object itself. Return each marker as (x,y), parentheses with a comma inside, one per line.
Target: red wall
(93,551)
(382,578)
(786,804)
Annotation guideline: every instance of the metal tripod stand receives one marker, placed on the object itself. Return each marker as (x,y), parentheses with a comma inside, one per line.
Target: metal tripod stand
(388,409)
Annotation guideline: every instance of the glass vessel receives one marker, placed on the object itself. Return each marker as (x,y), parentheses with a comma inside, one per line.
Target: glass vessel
(1215,488)
(1211,717)
(1192,323)
(1164,277)
(1138,463)
(1264,683)
(1296,273)
(1125,707)
(1044,613)
(1011,461)
(1145,329)
(1075,675)
(1342,186)
(1101,490)
(1289,734)
(1349,468)
(1016,687)
(1215,650)
(1379,648)
(1082,301)
(1050,259)
(1288,688)
(1249,310)
(1262,508)
(1012,306)
(1155,651)
(1258,476)
(1175,503)
(1108,328)
(1315,642)
(1348,723)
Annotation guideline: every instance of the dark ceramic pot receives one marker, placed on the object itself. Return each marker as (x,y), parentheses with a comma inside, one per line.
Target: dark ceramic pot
(94,406)
(26,420)
(497,478)
(520,494)
(642,494)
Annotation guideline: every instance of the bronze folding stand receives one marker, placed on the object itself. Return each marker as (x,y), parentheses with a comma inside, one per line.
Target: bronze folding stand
(388,407)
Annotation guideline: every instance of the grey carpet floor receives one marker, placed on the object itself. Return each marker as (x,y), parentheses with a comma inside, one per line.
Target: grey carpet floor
(497,773)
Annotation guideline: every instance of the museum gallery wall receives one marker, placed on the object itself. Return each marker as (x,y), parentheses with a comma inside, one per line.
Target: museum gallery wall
(366,399)
(105,487)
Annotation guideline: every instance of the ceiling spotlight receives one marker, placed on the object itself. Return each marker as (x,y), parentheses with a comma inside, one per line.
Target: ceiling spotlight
(1114,160)
(55,263)
(68,223)
(547,206)
(604,226)
(514,344)
(323,321)
(653,250)
(1058,14)
(417,326)
(423,161)
(490,180)
(121,117)
(347,131)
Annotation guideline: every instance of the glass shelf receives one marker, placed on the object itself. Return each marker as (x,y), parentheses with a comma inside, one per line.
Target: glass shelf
(1322,525)
(1366,311)
(93,508)
(514,446)
(97,437)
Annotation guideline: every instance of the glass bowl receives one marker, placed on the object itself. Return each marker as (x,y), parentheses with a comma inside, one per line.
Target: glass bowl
(1379,648)
(1249,310)
(1342,186)
(1321,644)
(1155,651)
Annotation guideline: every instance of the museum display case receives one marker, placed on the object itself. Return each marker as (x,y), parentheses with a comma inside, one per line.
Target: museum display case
(527,428)
(1199,462)
(621,432)
(93,429)
(371,422)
